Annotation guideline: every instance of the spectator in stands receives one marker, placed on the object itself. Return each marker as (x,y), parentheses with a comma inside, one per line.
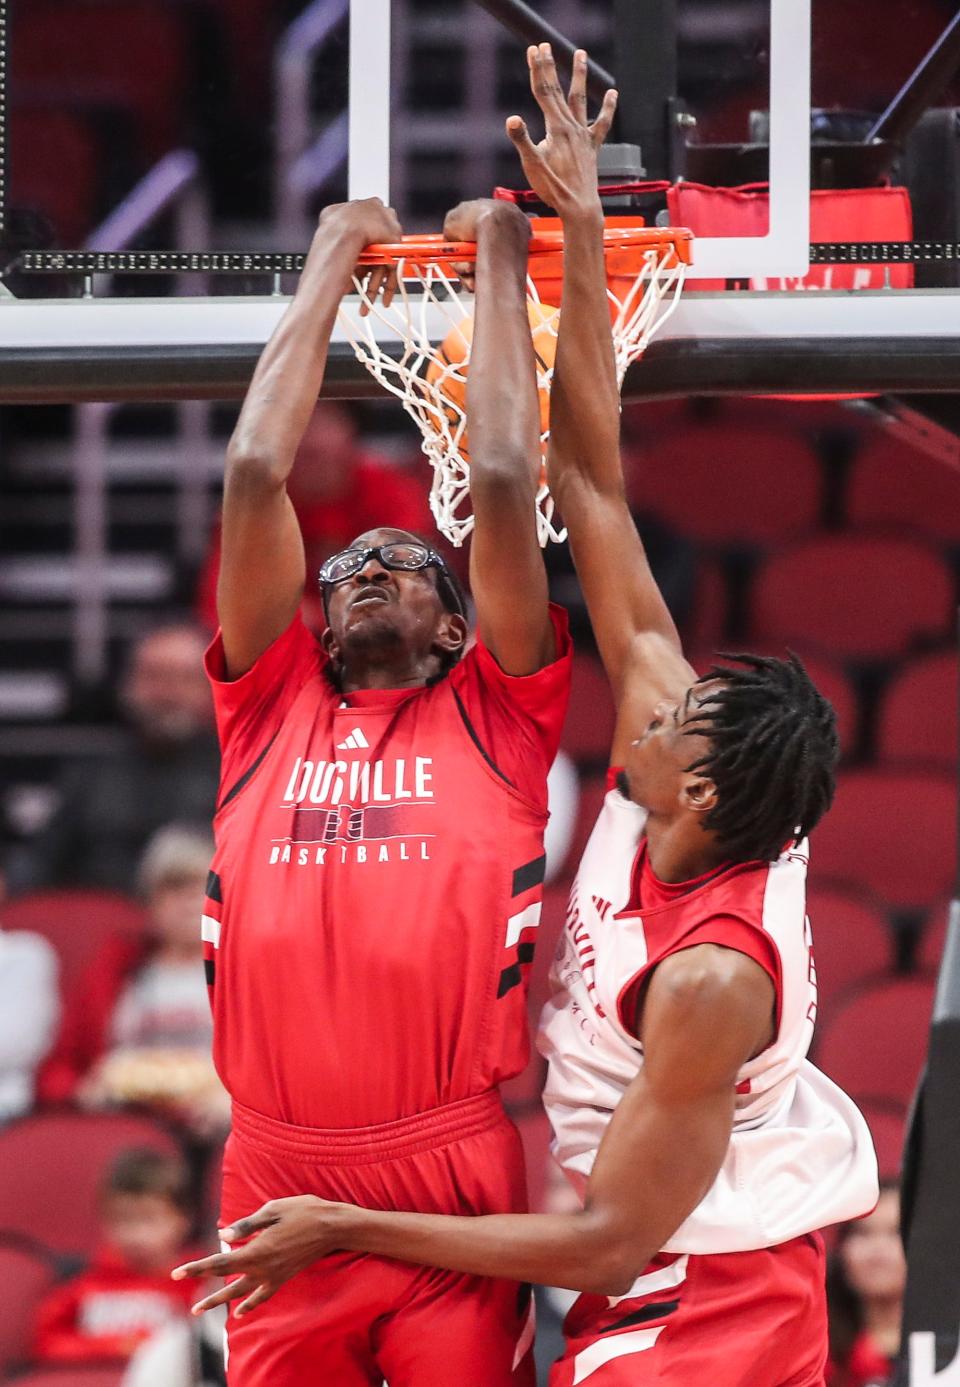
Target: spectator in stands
(338,490)
(165,768)
(29,1011)
(865,1284)
(185,1353)
(125,1295)
(139,1030)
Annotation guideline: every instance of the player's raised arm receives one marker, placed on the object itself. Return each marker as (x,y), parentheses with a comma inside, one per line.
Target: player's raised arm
(262,566)
(507,574)
(630,618)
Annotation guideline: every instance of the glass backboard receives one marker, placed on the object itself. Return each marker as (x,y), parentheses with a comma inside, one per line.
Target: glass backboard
(190,146)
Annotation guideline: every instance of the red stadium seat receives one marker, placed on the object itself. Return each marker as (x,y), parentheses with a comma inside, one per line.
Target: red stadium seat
(52,1167)
(588,730)
(892,833)
(72,1375)
(77,923)
(918,721)
(128,55)
(711,605)
(929,954)
(856,596)
(852,941)
(731,484)
(26,1274)
(893,484)
(888,1125)
(875,1045)
(53,170)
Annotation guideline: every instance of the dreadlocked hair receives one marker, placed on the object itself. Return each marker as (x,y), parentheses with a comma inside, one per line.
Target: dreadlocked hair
(773,754)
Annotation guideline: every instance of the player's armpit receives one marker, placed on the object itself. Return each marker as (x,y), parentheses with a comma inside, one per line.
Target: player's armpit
(653,669)
(707,1011)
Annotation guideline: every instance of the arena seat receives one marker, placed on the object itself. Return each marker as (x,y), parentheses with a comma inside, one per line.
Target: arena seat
(893,484)
(76,922)
(588,730)
(54,169)
(856,596)
(852,941)
(26,1273)
(892,833)
(72,1375)
(888,1126)
(134,59)
(875,1044)
(52,1166)
(929,954)
(707,625)
(917,721)
(731,484)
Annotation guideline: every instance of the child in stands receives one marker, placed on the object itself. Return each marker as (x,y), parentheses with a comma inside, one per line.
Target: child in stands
(125,1294)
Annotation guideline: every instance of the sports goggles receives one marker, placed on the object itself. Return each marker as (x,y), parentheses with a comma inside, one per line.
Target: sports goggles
(401,555)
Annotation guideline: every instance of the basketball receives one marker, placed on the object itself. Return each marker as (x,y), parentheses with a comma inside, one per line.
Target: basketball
(455,351)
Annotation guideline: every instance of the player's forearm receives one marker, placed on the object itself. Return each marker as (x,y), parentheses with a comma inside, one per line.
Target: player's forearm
(580,1251)
(584,399)
(502,401)
(289,374)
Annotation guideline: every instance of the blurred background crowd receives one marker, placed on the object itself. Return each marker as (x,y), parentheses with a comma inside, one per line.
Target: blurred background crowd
(770,524)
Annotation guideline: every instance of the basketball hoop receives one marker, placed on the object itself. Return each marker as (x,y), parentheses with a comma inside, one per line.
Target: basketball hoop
(645,273)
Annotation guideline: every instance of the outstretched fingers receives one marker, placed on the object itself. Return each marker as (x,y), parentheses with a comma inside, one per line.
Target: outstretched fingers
(545,85)
(263,1292)
(600,128)
(243,1286)
(577,95)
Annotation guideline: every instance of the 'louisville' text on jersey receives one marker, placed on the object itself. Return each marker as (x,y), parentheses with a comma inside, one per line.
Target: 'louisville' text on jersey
(359,782)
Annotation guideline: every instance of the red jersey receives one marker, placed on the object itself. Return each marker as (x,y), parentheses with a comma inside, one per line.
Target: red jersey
(107,1311)
(375,893)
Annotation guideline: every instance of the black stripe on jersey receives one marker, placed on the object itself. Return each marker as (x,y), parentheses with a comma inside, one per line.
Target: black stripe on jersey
(209,971)
(655,1311)
(530,874)
(512,975)
(214,890)
(235,789)
(477,742)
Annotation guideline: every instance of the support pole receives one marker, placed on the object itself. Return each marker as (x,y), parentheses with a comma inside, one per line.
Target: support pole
(646,44)
(521,20)
(921,90)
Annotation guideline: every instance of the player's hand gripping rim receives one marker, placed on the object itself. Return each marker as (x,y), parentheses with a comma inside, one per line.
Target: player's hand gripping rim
(281,1239)
(562,168)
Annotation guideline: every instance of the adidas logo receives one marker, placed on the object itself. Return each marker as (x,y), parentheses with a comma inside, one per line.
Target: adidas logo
(354,742)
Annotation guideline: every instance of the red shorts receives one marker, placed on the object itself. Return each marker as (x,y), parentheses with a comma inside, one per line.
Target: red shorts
(740,1319)
(354,1320)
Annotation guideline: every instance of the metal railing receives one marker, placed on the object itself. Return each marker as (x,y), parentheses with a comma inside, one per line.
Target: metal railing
(174,185)
(302,164)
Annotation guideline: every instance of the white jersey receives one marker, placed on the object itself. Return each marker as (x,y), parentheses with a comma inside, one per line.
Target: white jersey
(801,1155)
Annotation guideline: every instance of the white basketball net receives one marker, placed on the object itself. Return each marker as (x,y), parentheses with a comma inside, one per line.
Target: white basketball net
(428,304)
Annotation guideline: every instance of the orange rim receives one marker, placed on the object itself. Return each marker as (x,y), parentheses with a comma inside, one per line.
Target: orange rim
(630,239)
